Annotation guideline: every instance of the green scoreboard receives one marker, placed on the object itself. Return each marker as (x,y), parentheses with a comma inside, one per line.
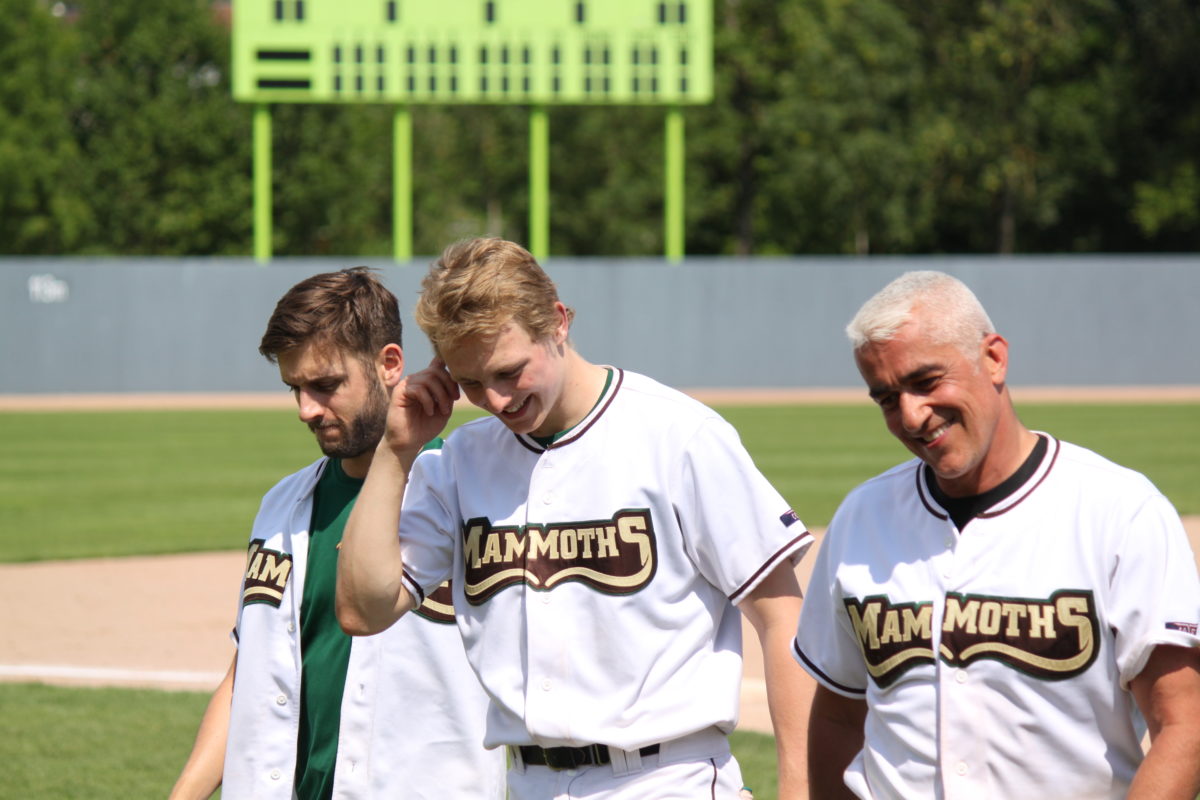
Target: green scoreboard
(473,51)
(536,53)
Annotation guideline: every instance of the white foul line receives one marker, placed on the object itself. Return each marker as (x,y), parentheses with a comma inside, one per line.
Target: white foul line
(109,675)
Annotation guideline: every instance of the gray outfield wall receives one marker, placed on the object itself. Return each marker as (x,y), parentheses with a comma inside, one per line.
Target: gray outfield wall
(76,325)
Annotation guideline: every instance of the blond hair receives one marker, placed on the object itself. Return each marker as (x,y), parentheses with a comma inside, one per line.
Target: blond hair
(477,286)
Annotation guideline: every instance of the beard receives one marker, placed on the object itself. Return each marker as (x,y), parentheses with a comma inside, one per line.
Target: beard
(364,431)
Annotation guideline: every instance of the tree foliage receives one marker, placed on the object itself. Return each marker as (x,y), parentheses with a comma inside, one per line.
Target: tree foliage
(39,213)
(872,126)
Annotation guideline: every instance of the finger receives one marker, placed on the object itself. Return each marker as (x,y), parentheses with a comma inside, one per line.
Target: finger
(419,393)
(444,392)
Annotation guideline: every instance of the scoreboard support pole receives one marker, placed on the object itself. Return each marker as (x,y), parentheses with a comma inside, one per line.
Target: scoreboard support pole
(262,183)
(674,189)
(402,185)
(539,182)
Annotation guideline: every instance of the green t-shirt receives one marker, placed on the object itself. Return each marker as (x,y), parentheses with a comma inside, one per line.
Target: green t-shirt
(324,647)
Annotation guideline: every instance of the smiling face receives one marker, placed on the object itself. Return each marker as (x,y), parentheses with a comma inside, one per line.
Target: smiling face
(946,407)
(343,402)
(517,378)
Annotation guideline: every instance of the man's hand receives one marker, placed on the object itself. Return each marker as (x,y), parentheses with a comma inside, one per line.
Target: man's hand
(420,408)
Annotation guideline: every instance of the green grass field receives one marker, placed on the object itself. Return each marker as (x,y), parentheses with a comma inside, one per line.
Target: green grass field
(127,744)
(75,485)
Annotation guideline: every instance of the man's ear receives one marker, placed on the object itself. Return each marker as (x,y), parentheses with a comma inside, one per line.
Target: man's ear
(563,330)
(995,358)
(389,364)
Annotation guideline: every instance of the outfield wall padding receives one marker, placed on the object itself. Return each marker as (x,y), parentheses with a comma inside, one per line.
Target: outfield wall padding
(78,325)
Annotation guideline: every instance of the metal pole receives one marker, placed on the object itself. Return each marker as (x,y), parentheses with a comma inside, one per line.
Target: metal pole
(539,182)
(673,191)
(262,183)
(402,204)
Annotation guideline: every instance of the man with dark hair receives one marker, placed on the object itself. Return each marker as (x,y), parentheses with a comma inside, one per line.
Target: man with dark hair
(306,711)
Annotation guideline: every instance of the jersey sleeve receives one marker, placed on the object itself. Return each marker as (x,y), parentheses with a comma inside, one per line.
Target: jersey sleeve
(1155,591)
(825,644)
(427,524)
(736,526)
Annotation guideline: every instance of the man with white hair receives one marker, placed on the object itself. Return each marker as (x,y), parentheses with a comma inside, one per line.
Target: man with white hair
(1004,615)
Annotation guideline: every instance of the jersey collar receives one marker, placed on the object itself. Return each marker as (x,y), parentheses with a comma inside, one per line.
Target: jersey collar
(1006,503)
(574,434)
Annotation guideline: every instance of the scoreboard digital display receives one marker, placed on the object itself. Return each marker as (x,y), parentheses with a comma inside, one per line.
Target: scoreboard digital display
(528,52)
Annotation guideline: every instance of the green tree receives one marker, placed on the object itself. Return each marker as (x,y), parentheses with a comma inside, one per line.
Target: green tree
(165,150)
(805,146)
(1018,118)
(1164,115)
(471,174)
(331,175)
(41,209)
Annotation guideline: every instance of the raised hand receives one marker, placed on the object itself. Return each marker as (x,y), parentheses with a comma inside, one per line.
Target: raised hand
(420,407)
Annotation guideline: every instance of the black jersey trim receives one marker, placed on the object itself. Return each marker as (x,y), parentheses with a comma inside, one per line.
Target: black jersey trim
(804,538)
(919,474)
(1004,504)
(813,668)
(412,584)
(597,412)
(1035,480)
(532,448)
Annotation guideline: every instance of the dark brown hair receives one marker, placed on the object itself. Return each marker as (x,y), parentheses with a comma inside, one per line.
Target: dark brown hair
(349,310)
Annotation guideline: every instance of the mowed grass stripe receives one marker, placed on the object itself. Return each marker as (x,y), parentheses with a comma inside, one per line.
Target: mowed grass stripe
(88,484)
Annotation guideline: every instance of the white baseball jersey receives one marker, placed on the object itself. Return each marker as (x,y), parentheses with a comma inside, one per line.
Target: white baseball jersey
(412,714)
(595,579)
(995,661)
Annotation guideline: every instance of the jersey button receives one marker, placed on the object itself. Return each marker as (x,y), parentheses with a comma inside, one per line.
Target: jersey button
(960,675)
(548,499)
(546,685)
(281,700)
(960,769)
(291,627)
(275,775)
(546,598)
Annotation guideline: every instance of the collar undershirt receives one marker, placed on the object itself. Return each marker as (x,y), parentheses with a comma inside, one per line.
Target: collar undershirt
(964,509)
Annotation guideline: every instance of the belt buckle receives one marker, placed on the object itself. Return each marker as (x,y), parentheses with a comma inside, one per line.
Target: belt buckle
(564,758)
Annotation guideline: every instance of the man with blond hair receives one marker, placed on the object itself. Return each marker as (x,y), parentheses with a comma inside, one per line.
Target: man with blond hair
(1004,615)
(600,530)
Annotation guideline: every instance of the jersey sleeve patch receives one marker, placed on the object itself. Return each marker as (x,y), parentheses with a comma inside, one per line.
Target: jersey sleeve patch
(1186,627)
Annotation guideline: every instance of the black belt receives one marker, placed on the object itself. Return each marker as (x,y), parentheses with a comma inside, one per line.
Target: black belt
(572,757)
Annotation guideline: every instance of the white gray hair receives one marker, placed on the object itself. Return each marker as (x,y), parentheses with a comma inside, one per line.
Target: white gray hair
(952,314)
